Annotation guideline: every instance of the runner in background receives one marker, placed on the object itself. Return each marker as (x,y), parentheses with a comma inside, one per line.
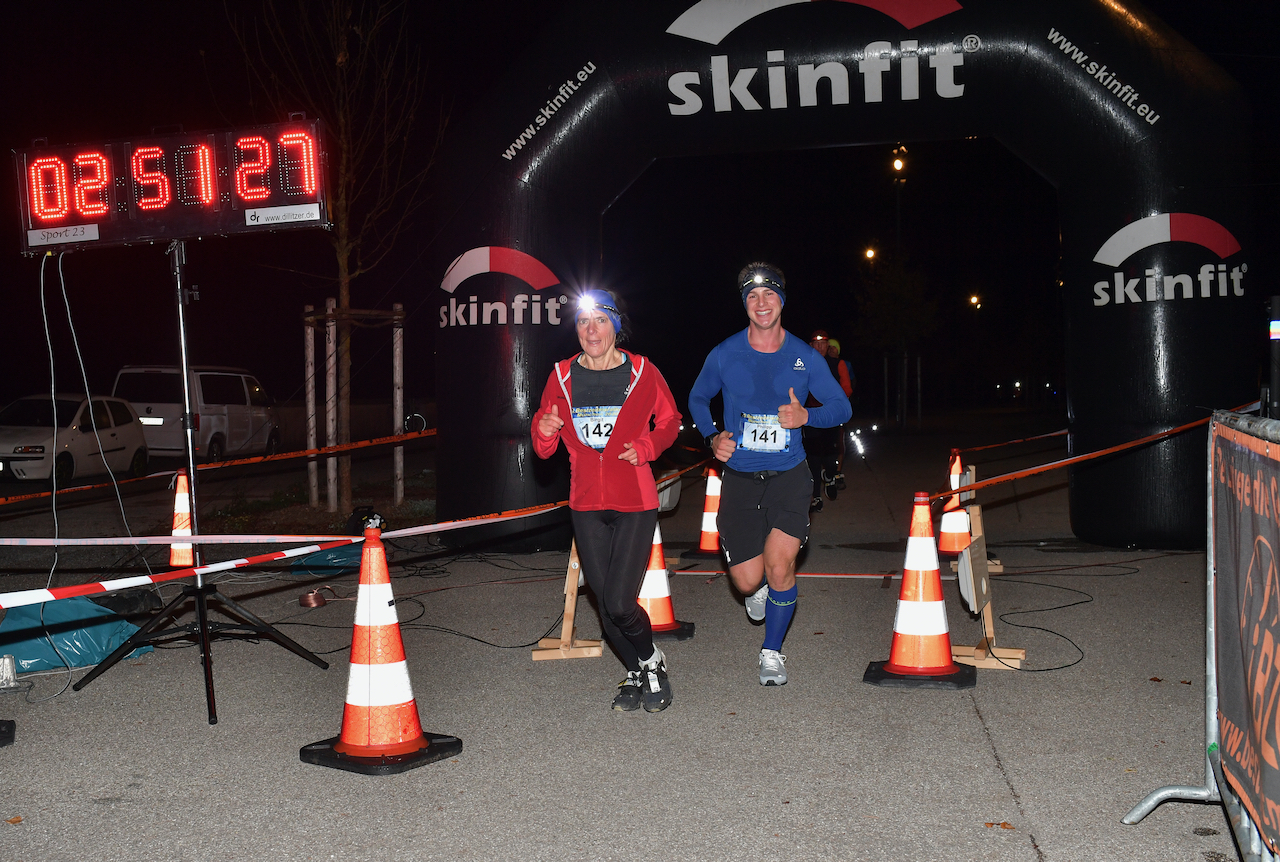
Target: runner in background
(821,445)
(845,377)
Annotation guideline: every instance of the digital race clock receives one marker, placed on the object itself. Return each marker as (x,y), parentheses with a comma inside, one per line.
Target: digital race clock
(175,186)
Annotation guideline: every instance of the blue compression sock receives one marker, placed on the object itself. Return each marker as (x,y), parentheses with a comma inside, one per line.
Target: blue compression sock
(777,615)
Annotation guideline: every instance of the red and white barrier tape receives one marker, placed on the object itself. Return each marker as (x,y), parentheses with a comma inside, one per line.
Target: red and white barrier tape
(33,597)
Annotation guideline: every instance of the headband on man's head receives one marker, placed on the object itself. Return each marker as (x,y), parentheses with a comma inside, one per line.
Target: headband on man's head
(761,274)
(599,300)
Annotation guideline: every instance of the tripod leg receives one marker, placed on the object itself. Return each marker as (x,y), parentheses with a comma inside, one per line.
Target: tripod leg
(271,632)
(139,638)
(206,656)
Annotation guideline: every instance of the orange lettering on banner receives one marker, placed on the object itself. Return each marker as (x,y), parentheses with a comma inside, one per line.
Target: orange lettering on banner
(1264,693)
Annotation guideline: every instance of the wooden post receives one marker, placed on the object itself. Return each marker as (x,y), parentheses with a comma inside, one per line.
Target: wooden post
(331,398)
(397,400)
(309,357)
(567,645)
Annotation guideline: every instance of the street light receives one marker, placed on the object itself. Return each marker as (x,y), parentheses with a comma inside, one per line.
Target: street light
(899,169)
(871,254)
(975,302)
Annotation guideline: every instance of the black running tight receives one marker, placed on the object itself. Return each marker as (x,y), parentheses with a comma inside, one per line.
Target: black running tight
(614,549)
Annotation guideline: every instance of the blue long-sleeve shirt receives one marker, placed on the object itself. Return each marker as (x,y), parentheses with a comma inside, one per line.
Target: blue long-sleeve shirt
(754,386)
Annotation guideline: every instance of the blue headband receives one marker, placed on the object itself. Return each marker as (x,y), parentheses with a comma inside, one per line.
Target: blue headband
(767,280)
(598,300)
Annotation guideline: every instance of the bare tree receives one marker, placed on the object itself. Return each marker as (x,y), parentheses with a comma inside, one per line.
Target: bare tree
(350,63)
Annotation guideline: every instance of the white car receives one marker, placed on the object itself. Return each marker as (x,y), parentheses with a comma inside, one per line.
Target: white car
(233,415)
(89,441)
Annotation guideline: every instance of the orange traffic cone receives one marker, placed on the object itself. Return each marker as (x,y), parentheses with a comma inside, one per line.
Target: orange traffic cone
(709,541)
(381,734)
(655,596)
(180,553)
(953,533)
(921,652)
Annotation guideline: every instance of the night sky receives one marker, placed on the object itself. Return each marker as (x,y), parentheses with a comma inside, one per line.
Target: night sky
(972,218)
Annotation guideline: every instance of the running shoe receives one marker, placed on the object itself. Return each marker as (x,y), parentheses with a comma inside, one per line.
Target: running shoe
(840,484)
(773,667)
(830,483)
(654,685)
(629,693)
(755,602)
(816,505)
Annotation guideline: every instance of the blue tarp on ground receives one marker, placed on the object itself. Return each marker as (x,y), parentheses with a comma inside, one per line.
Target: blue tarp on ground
(85,634)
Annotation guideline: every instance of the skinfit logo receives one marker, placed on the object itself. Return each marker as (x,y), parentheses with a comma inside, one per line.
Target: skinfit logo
(525,307)
(880,62)
(1212,279)
(799,366)
(711,20)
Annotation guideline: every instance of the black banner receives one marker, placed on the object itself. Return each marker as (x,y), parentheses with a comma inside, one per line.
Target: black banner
(1246,505)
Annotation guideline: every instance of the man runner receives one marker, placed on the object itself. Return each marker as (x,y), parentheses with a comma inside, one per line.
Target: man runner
(764,374)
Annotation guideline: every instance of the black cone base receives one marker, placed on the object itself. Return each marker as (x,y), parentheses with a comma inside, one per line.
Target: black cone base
(696,554)
(8,729)
(323,754)
(682,632)
(966,676)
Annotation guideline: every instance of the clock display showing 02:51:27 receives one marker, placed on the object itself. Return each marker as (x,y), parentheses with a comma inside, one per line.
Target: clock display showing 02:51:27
(172,187)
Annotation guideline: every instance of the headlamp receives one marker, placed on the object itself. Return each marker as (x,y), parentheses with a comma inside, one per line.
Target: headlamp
(598,300)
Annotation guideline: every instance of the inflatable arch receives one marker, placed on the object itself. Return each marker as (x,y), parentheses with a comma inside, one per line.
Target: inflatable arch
(1139,133)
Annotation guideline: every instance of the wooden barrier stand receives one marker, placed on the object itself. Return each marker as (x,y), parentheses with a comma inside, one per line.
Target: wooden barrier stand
(568,645)
(974,569)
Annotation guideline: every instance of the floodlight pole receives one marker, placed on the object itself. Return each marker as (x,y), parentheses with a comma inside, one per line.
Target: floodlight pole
(178,259)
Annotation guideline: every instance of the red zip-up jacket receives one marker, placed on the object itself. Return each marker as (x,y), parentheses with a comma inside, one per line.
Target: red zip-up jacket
(600,479)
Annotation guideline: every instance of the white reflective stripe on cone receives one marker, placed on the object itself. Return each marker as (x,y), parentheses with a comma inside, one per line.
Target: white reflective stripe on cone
(955,521)
(921,618)
(656,585)
(379,684)
(375,606)
(713,486)
(708,522)
(922,554)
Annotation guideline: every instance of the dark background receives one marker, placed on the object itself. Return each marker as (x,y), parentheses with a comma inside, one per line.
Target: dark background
(971,219)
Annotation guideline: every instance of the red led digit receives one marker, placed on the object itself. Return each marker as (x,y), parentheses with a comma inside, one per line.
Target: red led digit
(299,174)
(48,182)
(161,189)
(92,177)
(194,173)
(249,171)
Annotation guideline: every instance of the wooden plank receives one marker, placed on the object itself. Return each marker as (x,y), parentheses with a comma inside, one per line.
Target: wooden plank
(568,645)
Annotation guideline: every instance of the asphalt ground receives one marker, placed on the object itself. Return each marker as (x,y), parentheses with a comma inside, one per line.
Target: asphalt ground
(1037,764)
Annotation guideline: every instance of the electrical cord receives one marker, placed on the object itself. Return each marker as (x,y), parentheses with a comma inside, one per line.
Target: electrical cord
(93,422)
(1125,570)
(53,473)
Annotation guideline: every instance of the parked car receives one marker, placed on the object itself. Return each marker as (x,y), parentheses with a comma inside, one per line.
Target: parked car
(233,415)
(89,441)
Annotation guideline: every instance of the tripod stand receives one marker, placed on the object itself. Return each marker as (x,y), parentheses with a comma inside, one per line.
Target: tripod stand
(252,627)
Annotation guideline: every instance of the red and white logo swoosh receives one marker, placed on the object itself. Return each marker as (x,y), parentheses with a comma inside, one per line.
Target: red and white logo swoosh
(1166,227)
(711,20)
(495,258)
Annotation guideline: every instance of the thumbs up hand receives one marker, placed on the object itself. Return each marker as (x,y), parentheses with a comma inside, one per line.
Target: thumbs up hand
(549,424)
(792,415)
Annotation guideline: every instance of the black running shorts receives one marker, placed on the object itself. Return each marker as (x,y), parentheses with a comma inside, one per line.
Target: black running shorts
(753,504)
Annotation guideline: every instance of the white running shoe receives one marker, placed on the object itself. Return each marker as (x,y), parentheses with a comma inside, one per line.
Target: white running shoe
(755,602)
(773,667)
